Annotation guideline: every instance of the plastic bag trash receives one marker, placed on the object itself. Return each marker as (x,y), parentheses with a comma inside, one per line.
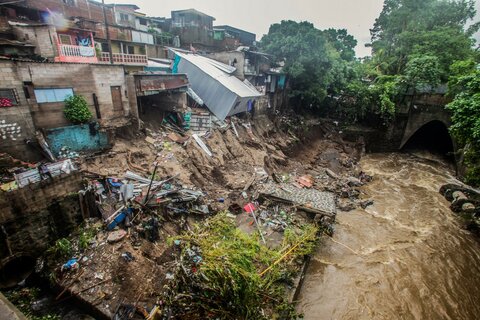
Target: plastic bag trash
(71,264)
(128,256)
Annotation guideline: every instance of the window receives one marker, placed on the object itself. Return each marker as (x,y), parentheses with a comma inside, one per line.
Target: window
(124,17)
(143,22)
(65,39)
(130,50)
(69,2)
(52,95)
(104,47)
(8,98)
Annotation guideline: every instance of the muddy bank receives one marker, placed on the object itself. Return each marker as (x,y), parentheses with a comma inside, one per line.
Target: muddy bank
(139,271)
(262,163)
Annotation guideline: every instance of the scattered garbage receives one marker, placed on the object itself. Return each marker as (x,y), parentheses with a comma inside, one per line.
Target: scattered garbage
(71,264)
(127,256)
(116,236)
(67,153)
(165,233)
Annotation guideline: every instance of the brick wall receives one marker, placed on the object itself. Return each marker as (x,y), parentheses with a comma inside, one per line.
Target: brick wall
(116,33)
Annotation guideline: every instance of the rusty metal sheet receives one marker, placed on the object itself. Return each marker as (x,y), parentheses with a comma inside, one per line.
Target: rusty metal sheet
(162,83)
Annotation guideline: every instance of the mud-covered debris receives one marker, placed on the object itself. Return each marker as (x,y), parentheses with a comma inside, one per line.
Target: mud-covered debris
(307,199)
(331,174)
(366,203)
(116,236)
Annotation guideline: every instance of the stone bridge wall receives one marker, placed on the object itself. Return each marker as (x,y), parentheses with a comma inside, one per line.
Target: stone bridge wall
(410,117)
(420,115)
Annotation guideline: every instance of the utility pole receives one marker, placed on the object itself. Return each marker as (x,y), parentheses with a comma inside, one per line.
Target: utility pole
(108,33)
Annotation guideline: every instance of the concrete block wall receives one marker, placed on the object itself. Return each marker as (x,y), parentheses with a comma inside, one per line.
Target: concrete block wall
(47,75)
(85,79)
(42,37)
(16,124)
(36,215)
(132,98)
(157,51)
(106,76)
(228,57)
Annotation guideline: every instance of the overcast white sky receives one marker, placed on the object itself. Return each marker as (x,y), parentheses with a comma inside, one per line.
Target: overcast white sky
(357,16)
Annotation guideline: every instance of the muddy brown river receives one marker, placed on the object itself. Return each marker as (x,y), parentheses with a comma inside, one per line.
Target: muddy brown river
(405,257)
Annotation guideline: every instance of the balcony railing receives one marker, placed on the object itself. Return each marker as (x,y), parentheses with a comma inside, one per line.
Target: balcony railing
(122,58)
(69,53)
(76,51)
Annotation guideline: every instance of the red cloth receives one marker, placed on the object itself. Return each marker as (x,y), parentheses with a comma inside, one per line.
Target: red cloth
(249,207)
(5,102)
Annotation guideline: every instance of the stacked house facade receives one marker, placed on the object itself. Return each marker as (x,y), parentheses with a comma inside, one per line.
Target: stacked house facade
(50,49)
(81,31)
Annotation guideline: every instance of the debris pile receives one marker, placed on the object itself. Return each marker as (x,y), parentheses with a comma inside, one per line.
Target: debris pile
(223,273)
(154,243)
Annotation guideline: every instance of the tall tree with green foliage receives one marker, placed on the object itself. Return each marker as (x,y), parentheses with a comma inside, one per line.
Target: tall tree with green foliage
(407,28)
(465,109)
(315,60)
(414,43)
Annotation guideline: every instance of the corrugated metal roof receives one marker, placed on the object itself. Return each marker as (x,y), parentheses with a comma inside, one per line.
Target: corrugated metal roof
(214,70)
(222,93)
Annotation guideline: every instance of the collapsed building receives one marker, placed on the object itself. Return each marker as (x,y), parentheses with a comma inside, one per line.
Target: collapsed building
(180,107)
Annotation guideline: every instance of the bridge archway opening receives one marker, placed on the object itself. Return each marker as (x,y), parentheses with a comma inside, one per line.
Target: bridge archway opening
(434,137)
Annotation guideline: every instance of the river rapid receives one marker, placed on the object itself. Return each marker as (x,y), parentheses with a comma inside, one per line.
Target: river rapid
(405,257)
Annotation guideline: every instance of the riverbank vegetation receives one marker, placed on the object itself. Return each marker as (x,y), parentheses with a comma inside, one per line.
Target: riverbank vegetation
(417,47)
(239,277)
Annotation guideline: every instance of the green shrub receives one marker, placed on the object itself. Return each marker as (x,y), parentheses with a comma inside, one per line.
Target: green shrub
(61,249)
(76,109)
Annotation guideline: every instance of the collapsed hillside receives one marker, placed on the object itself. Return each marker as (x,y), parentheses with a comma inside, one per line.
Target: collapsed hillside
(206,236)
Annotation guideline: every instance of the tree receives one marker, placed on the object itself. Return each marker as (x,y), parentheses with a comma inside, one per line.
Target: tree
(465,127)
(316,61)
(432,27)
(422,72)
(304,50)
(465,109)
(343,42)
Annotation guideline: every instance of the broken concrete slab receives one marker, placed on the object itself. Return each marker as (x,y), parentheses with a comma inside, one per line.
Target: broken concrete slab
(310,200)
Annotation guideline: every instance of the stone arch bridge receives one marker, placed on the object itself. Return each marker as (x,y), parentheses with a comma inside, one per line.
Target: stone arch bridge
(424,123)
